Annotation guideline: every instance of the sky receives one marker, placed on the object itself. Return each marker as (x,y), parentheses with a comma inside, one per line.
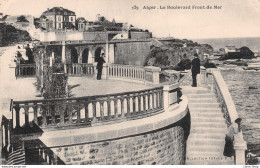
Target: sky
(236,18)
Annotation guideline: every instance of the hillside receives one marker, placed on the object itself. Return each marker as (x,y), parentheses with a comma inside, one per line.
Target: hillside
(172,52)
(9,35)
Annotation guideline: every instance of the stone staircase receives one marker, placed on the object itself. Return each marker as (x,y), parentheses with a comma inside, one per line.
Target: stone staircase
(206,141)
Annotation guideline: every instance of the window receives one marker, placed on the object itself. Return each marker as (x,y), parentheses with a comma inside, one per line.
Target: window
(59,25)
(59,19)
(71,19)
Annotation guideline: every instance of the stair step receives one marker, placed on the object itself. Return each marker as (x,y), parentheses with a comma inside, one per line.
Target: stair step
(205,137)
(204,149)
(194,142)
(197,91)
(200,96)
(196,100)
(208,130)
(206,119)
(203,105)
(216,109)
(208,125)
(207,115)
(200,160)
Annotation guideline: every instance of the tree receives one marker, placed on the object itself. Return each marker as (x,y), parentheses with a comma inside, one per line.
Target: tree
(22,18)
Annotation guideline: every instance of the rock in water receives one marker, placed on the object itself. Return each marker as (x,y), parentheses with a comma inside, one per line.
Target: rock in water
(252,87)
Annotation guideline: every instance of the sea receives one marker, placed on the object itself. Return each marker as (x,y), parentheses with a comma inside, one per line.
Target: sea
(253,43)
(244,87)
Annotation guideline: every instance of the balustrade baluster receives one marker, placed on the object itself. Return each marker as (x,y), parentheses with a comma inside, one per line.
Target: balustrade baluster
(26,114)
(139,103)
(70,113)
(113,70)
(144,102)
(149,104)
(62,117)
(5,135)
(86,113)
(52,113)
(108,107)
(35,119)
(161,98)
(44,119)
(25,71)
(157,93)
(102,110)
(122,107)
(94,111)
(134,102)
(17,115)
(128,104)
(78,112)
(116,107)
(121,71)
(153,104)
(55,159)
(9,127)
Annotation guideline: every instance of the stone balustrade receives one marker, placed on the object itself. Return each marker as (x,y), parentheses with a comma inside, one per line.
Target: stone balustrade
(87,111)
(25,70)
(214,79)
(126,72)
(80,69)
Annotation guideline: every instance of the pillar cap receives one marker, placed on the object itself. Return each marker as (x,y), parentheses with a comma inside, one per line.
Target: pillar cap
(152,68)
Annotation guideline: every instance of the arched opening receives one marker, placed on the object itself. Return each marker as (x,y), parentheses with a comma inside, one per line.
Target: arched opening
(74,55)
(98,52)
(85,55)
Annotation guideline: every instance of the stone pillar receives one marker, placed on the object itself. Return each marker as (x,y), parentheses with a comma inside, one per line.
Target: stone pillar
(170,95)
(63,57)
(201,77)
(90,57)
(152,75)
(174,76)
(107,51)
(111,53)
(239,147)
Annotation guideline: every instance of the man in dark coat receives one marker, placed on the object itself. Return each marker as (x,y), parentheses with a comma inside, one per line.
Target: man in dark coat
(100,62)
(29,54)
(195,69)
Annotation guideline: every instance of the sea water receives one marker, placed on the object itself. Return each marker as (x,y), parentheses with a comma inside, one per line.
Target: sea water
(244,87)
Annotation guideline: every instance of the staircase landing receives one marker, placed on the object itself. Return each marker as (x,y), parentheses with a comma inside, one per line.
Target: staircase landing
(205,144)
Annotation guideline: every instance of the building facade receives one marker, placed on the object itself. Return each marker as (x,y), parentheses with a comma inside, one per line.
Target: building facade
(58,18)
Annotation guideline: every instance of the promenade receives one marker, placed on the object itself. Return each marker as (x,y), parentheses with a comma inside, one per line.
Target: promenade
(20,89)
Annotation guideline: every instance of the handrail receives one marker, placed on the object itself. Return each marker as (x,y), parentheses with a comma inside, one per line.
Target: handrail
(89,110)
(219,87)
(86,97)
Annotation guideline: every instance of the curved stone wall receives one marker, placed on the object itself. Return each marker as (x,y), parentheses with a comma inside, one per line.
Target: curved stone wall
(165,146)
(159,139)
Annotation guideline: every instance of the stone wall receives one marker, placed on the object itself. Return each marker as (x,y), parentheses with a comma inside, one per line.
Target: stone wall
(132,53)
(140,35)
(165,146)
